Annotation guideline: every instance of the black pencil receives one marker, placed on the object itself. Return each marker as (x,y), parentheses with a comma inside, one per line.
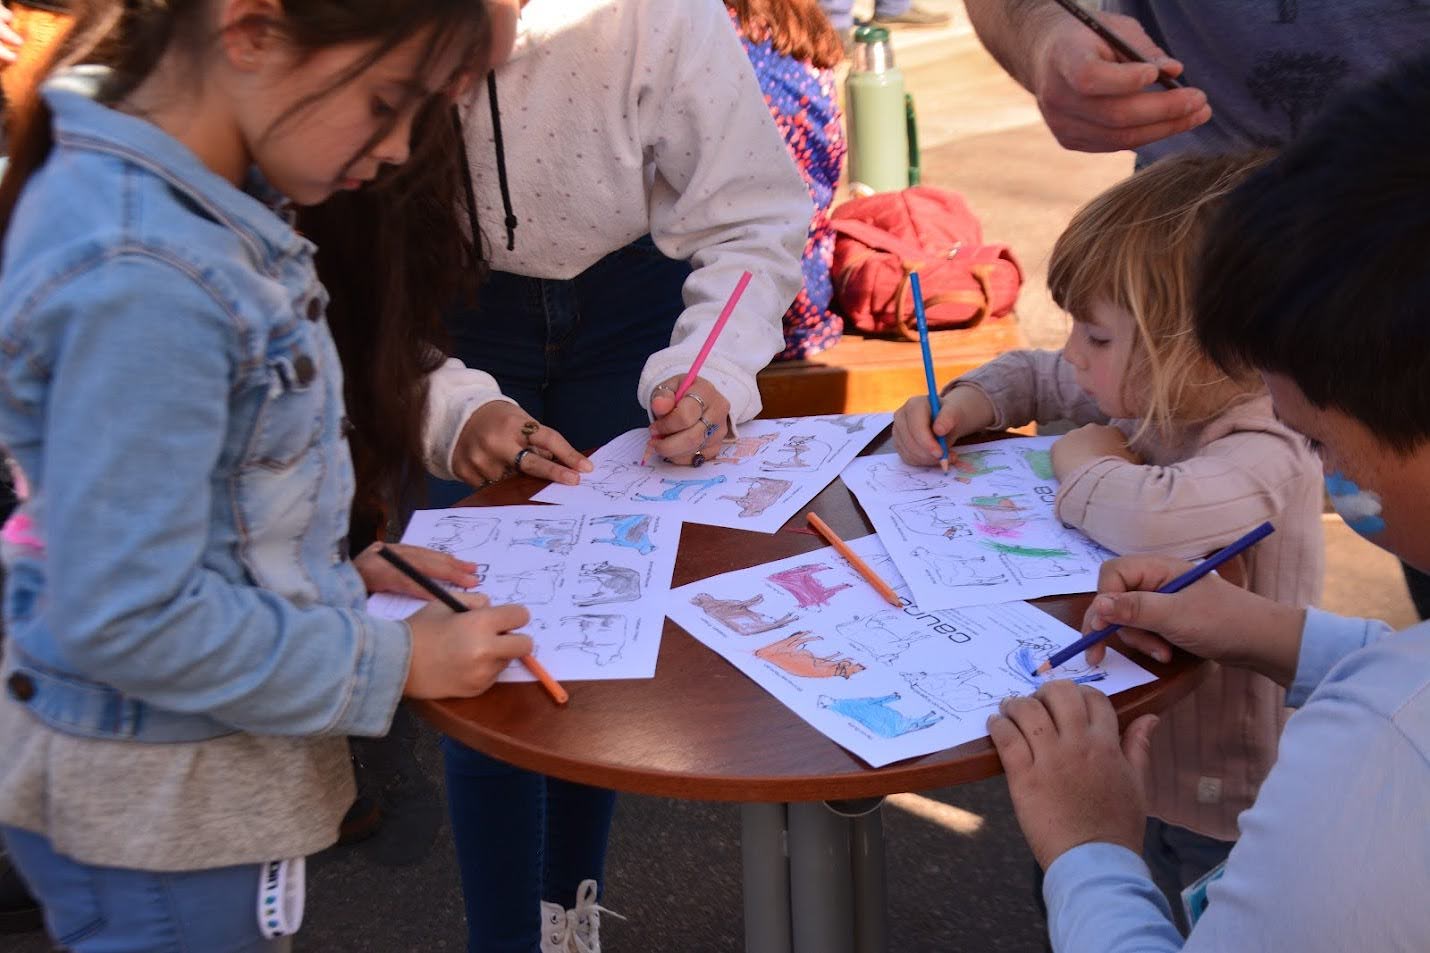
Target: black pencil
(1118,44)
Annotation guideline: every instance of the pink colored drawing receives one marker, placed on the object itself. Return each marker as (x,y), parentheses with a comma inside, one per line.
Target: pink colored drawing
(807,590)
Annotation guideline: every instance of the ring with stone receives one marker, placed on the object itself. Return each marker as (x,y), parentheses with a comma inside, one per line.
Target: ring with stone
(709,430)
(529,429)
(697,459)
(520,455)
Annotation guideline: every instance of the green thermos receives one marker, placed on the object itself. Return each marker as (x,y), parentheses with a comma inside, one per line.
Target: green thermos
(878,123)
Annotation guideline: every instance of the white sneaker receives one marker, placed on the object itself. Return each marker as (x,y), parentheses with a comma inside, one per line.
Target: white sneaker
(584,921)
(555,928)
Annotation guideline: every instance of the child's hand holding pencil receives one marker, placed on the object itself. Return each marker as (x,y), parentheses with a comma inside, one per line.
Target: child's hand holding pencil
(964,410)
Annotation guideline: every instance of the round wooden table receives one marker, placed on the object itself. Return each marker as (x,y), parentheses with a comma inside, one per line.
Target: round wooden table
(702,730)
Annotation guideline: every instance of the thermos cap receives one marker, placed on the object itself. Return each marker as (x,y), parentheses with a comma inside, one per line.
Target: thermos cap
(872,51)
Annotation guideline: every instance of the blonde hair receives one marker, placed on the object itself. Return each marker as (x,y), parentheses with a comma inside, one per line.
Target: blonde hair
(1136,247)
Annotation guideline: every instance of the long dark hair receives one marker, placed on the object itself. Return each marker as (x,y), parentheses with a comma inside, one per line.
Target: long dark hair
(393,256)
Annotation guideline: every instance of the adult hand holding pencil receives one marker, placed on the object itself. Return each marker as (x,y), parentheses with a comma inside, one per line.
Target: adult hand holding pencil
(690,412)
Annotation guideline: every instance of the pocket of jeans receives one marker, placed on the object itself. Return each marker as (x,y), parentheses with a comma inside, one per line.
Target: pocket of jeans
(65,888)
(290,418)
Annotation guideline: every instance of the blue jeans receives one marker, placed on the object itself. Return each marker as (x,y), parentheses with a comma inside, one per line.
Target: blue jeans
(521,838)
(1176,857)
(841,12)
(91,909)
(571,352)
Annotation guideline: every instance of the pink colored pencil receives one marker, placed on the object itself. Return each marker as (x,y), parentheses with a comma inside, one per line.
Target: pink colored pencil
(699,361)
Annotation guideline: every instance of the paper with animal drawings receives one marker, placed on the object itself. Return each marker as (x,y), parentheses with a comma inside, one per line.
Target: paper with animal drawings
(885,683)
(595,581)
(757,483)
(984,532)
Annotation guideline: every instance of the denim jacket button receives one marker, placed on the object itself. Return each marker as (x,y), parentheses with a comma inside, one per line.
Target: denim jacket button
(22,687)
(315,309)
(305,369)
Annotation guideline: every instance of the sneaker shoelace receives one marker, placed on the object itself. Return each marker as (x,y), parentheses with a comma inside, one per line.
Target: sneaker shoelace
(584,920)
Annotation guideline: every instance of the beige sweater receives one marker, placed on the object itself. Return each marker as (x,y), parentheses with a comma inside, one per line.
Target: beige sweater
(1193,495)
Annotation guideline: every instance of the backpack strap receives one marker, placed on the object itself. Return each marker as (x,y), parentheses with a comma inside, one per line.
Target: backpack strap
(877,238)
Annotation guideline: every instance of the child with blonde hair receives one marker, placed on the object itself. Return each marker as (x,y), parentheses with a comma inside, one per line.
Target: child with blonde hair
(1171,455)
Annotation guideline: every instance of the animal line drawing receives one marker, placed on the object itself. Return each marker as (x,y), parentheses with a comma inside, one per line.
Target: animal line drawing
(554,536)
(799,452)
(970,465)
(999,514)
(744,448)
(791,655)
(632,532)
(456,533)
(874,634)
(602,636)
(931,516)
(961,570)
(956,691)
(893,479)
(849,423)
(802,583)
(675,488)
(1033,562)
(612,584)
(528,586)
(616,480)
(739,615)
(876,715)
(760,495)
(1024,660)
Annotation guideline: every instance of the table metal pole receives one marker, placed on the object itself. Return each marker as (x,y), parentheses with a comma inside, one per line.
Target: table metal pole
(871,897)
(821,884)
(766,878)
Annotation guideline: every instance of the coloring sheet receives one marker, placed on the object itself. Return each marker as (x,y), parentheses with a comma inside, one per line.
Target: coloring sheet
(757,483)
(595,582)
(982,533)
(885,683)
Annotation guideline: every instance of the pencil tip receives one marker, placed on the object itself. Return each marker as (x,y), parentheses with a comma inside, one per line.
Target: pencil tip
(943,464)
(1043,669)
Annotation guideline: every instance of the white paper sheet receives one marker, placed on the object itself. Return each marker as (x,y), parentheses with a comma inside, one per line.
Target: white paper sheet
(596,582)
(885,683)
(756,483)
(982,533)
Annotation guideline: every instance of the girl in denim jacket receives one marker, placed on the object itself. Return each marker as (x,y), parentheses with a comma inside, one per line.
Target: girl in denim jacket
(187,647)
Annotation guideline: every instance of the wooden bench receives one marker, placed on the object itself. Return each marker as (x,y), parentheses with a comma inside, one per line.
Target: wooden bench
(861,375)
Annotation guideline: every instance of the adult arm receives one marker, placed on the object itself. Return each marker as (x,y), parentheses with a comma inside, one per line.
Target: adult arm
(1091,99)
(726,196)
(127,515)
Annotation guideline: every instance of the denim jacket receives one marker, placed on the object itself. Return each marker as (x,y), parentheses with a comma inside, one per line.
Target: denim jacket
(171,393)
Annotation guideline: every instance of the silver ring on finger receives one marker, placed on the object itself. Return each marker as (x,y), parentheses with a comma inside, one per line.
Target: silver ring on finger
(520,456)
(699,400)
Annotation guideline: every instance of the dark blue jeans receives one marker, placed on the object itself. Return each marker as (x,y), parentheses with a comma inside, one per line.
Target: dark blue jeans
(571,353)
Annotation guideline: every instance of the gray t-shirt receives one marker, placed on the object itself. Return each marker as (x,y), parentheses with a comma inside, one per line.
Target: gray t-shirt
(1268,66)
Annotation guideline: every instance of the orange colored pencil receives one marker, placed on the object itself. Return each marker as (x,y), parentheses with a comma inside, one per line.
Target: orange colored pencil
(552,686)
(860,566)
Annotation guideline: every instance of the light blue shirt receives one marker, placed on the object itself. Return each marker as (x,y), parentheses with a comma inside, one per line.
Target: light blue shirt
(1335,853)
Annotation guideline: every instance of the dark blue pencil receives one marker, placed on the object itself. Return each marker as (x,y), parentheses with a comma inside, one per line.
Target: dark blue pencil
(1061,656)
(922,320)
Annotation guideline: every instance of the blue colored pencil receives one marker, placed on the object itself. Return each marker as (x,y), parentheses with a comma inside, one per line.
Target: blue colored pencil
(1061,656)
(922,320)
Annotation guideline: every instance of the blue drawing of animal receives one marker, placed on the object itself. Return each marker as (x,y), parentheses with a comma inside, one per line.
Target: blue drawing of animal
(739,615)
(632,532)
(675,488)
(803,583)
(554,536)
(601,636)
(961,570)
(743,448)
(528,586)
(612,584)
(1024,660)
(874,634)
(959,691)
(876,715)
(760,495)
(456,533)
(800,452)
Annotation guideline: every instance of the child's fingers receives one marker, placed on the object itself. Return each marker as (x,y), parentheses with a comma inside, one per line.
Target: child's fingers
(947,419)
(512,645)
(472,600)
(505,618)
(441,566)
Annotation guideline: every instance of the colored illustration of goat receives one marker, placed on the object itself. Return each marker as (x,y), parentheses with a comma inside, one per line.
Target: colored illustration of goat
(739,615)
(876,715)
(807,590)
(762,493)
(791,655)
(632,532)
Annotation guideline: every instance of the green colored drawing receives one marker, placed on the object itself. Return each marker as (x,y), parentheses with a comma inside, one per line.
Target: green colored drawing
(1032,552)
(996,503)
(973,463)
(1040,462)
